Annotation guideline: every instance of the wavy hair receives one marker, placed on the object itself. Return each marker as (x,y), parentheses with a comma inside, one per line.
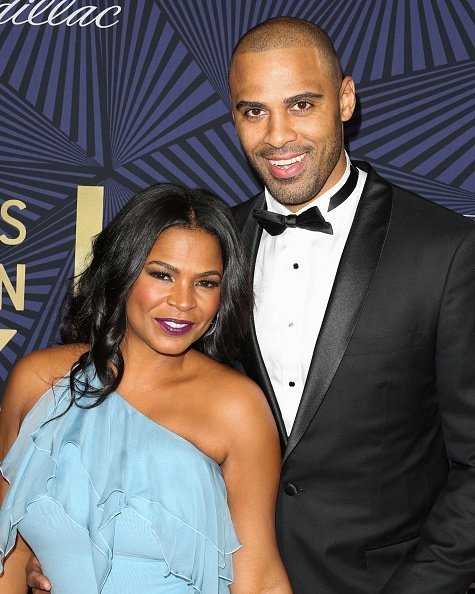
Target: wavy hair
(97,310)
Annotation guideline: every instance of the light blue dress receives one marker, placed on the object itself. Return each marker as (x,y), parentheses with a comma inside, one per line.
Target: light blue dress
(112,502)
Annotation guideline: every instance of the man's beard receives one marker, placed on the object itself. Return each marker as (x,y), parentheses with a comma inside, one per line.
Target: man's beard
(299,189)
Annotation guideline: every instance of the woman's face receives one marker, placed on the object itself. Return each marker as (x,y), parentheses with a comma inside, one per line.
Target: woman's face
(176,295)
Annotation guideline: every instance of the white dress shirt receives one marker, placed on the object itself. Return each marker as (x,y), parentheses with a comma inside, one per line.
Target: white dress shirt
(293,279)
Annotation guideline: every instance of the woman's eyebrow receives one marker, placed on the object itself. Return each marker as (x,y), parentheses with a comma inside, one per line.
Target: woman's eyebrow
(210,273)
(164,264)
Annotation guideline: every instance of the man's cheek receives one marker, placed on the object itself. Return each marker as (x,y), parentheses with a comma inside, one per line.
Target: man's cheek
(249,138)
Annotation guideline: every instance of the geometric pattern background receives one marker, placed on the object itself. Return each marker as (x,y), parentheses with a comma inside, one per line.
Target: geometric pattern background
(146,101)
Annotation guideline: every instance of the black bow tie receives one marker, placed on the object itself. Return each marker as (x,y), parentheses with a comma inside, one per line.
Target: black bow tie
(275,223)
(311,219)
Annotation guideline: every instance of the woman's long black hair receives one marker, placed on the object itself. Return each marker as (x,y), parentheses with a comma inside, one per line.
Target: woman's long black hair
(97,310)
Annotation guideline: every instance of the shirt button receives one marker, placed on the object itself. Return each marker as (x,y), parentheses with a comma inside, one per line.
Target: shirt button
(296,265)
(291,384)
(291,489)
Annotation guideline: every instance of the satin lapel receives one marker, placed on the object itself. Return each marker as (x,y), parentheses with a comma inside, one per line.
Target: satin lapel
(254,363)
(352,282)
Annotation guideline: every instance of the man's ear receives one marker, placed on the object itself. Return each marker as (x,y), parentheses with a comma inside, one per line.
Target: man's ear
(347,98)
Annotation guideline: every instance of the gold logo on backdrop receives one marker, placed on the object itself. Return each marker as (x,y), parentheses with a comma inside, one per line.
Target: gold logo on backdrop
(16,292)
(5,337)
(90,208)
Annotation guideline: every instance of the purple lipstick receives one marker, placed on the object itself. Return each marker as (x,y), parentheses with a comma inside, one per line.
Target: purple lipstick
(173,326)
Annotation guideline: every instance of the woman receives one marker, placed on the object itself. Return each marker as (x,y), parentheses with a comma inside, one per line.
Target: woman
(120,486)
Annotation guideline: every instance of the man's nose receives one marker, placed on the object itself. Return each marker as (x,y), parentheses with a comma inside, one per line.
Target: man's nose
(280,130)
(182,296)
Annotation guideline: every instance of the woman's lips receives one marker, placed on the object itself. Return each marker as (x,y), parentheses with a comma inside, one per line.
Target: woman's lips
(287,166)
(173,326)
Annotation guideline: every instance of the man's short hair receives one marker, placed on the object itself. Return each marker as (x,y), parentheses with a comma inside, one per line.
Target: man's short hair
(282,32)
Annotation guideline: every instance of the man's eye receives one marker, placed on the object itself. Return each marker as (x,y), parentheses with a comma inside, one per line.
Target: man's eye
(254,112)
(301,106)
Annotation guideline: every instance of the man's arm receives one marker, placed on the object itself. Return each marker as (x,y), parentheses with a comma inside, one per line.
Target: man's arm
(35,579)
(444,561)
(12,580)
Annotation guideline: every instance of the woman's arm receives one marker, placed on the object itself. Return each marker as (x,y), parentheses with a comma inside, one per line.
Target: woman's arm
(31,377)
(16,403)
(251,473)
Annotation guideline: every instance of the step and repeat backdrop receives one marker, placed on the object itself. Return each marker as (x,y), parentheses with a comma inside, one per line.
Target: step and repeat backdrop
(100,98)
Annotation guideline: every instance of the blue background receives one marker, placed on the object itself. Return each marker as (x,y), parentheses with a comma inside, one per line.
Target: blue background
(146,101)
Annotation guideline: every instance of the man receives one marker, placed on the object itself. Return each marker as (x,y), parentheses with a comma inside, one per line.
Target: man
(363,336)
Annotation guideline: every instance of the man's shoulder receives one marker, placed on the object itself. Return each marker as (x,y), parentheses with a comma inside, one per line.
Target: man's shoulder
(243,210)
(416,210)
(413,210)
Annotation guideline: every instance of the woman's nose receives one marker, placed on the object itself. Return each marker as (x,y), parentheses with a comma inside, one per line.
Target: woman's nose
(182,296)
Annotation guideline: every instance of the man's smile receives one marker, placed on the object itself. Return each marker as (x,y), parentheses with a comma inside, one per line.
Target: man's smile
(286,166)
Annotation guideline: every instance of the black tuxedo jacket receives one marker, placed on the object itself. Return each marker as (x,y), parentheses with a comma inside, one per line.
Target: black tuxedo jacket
(368,501)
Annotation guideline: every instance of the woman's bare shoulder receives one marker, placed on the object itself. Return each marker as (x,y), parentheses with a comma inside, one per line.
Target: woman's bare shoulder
(30,378)
(35,373)
(223,379)
(247,427)
(234,395)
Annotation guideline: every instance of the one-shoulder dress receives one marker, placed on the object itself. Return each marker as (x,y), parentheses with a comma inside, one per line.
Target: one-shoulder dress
(112,502)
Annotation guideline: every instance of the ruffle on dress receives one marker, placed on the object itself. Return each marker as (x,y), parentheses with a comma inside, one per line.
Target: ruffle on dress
(95,462)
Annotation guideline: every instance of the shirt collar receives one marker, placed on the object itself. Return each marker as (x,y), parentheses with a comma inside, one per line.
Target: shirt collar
(322,201)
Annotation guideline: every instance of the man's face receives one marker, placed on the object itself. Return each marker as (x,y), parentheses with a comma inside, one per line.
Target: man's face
(288,117)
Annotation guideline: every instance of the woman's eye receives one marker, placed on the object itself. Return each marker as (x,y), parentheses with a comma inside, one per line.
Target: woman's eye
(209,284)
(160,275)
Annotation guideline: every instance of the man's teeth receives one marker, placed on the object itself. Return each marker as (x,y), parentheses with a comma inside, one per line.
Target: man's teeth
(286,162)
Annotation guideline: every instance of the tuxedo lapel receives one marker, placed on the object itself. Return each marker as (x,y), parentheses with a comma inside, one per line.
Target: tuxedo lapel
(254,363)
(352,282)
